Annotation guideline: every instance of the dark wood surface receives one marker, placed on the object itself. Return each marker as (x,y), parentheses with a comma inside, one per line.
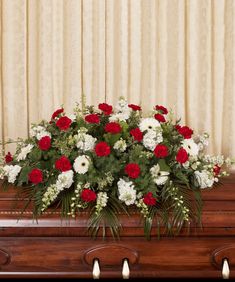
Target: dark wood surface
(54,248)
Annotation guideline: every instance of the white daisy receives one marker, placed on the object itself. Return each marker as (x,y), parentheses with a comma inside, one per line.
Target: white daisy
(191,147)
(159,177)
(24,152)
(204,179)
(81,164)
(127,193)
(148,124)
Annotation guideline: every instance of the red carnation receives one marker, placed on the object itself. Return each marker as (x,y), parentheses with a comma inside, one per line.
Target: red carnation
(160,117)
(8,158)
(106,108)
(216,170)
(63,123)
(102,149)
(92,118)
(149,199)
(137,134)
(35,176)
(184,131)
(56,113)
(182,156)
(161,151)
(113,127)
(63,164)
(161,109)
(88,195)
(44,143)
(132,170)
(134,107)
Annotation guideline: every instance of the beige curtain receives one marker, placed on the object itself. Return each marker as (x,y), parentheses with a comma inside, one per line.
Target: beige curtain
(179,53)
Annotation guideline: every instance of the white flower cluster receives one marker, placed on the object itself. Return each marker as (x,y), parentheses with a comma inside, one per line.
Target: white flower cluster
(75,200)
(81,164)
(39,132)
(159,177)
(151,139)
(84,142)
(49,196)
(127,192)
(204,179)
(122,111)
(65,180)
(11,172)
(120,145)
(101,202)
(24,152)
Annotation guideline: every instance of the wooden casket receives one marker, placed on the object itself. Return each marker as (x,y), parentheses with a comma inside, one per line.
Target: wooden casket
(49,247)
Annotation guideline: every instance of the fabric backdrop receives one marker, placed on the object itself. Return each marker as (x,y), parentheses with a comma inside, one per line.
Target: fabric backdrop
(179,53)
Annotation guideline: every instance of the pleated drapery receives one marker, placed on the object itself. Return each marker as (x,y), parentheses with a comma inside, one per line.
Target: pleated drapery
(178,53)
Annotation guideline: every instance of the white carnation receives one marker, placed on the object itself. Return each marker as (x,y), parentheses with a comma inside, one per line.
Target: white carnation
(81,164)
(159,177)
(204,179)
(191,147)
(151,139)
(24,152)
(149,124)
(85,142)
(126,190)
(120,145)
(65,180)
(11,171)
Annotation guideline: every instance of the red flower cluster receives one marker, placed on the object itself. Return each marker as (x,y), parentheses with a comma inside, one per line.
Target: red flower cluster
(184,131)
(160,117)
(57,112)
(35,176)
(134,107)
(63,164)
(102,149)
(132,170)
(182,156)
(44,143)
(216,170)
(92,118)
(137,134)
(63,123)
(161,151)
(113,127)
(8,158)
(88,195)
(149,199)
(106,108)
(161,109)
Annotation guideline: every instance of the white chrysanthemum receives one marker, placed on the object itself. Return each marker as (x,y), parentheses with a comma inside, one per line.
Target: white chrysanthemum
(120,145)
(24,152)
(151,139)
(102,199)
(204,179)
(81,164)
(191,147)
(127,193)
(11,171)
(148,124)
(65,180)
(85,142)
(159,177)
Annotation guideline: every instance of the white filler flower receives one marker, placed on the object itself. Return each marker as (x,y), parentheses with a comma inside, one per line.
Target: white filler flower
(81,164)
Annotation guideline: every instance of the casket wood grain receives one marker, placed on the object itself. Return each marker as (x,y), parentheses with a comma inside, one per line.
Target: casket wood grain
(50,247)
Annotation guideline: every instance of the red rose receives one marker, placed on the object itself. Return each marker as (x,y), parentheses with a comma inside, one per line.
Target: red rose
(8,158)
(149,199)
(161,109)
(184,131)
(113,127)
(102,149)
(216,170)
(56,113)
(134,107)
(106,108)
(88,195)
(44,143)
(161,151)
(160,117)
(63,123)
(182,156)
(132,170)
(92,118)
(137,134)
(35,176)
(63,164)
